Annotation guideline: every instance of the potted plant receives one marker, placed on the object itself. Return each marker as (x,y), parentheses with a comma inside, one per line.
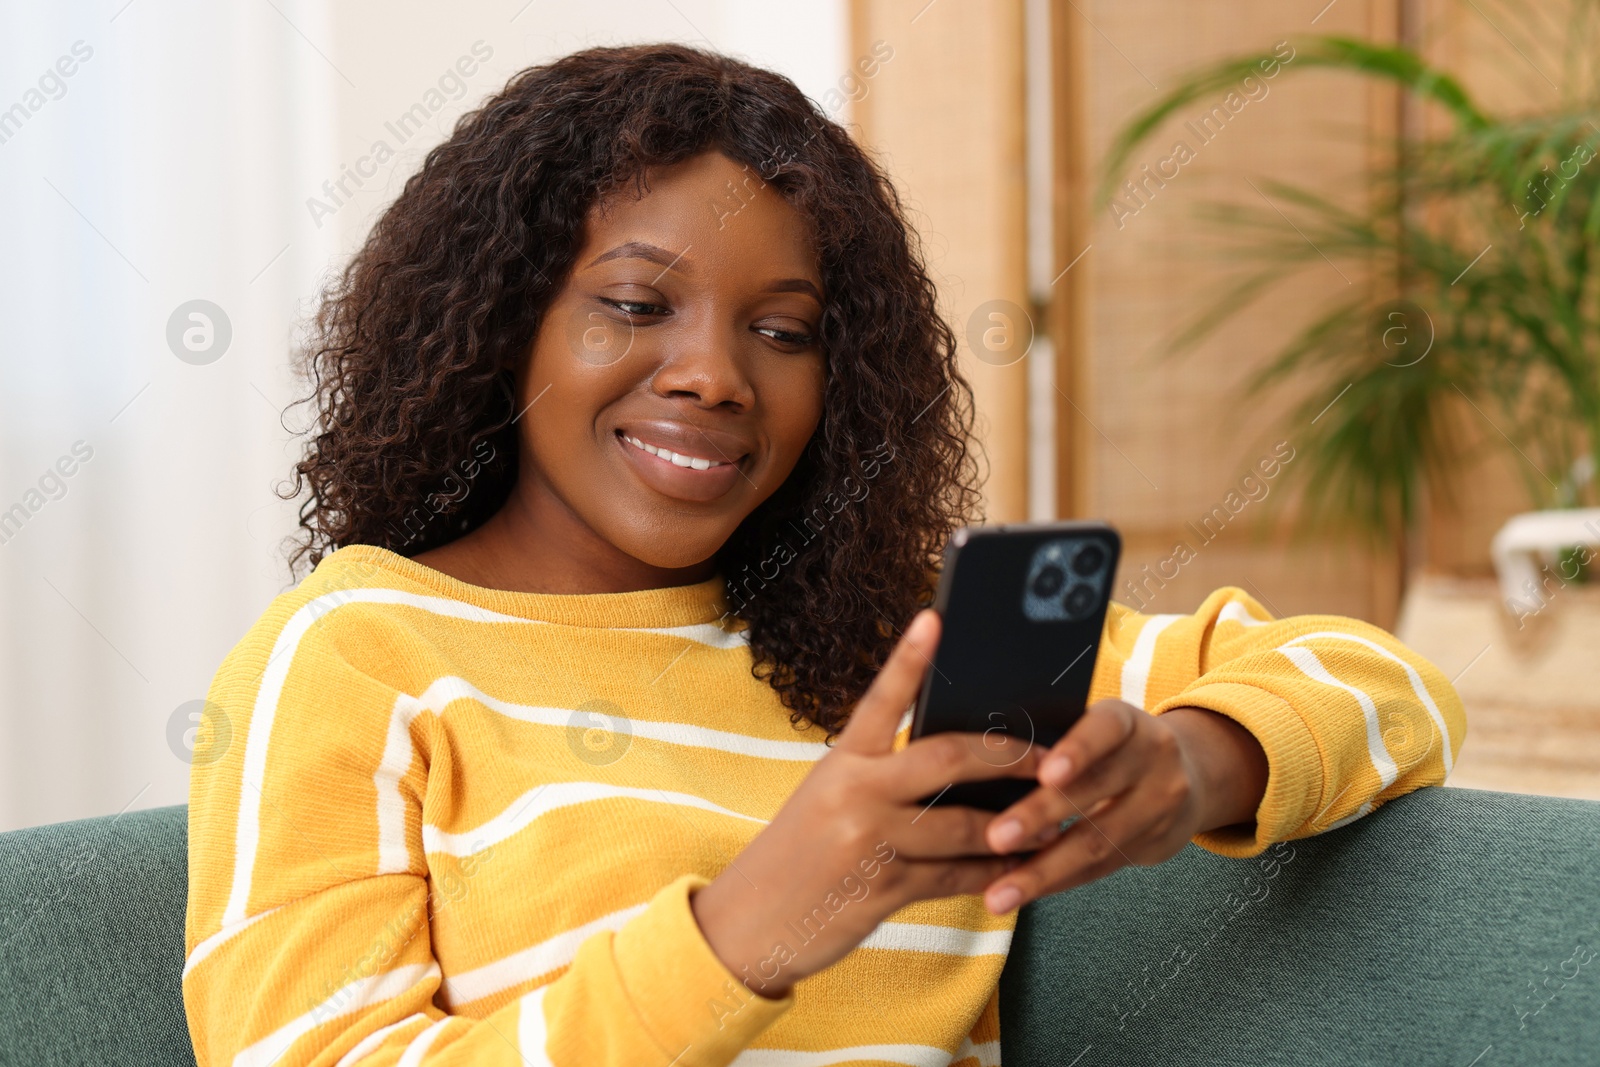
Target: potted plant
(1485,240)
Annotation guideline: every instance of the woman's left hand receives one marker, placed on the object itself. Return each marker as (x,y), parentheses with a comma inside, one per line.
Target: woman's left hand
(1140,785)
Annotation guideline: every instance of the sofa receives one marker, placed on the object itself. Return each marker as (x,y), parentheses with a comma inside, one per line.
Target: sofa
(1451,927)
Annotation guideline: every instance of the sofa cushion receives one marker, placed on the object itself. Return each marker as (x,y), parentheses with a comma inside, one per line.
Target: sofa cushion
(1451,926)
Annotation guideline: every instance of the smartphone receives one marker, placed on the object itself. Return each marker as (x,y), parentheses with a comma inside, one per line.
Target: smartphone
(1023,608)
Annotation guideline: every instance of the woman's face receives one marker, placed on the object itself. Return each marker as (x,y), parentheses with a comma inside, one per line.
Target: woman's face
(677,377)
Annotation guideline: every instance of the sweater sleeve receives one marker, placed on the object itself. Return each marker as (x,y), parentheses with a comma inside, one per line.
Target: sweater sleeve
(1347,715)
(311,897)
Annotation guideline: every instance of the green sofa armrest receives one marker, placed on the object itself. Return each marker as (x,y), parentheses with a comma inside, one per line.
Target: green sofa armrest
(91,942)
(1449,927)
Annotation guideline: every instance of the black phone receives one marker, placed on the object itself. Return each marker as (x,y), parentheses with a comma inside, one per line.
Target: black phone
(1023,608)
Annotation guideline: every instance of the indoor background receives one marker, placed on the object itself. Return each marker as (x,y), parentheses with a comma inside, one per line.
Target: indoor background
(163,159)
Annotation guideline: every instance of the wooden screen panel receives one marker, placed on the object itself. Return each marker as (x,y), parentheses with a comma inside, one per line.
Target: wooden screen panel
(945,117)
(1157,443)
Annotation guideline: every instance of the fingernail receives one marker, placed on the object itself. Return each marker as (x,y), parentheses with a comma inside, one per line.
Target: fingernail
(1008,835)
(1004,899)
(1056,770)
(1050,832)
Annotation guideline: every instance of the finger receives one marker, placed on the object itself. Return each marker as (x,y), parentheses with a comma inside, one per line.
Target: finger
(872,724)
(932,879)
(930,764)
(1092,848)
(1106,725)
(1037,817)
(1083,855)
(944,833)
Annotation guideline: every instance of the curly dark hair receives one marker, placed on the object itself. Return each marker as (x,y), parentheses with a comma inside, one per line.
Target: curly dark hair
(412,354)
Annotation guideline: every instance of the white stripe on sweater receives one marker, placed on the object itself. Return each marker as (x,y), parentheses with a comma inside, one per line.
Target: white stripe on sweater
(1417,685)
(703,633)
(946,940)
(913,1055)
(422,1043)
(361,993)
(532,1032)
(247,835)
(1312,668)
(1234,611)
(556,952)
(987,1053)
(1136,670)
(215,941)
(393,851)
(449,689)
(374,1039)
(1364,809)
(529,963)
(541,800)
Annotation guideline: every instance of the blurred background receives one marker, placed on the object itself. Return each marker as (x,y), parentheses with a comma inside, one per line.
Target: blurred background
(1297,294)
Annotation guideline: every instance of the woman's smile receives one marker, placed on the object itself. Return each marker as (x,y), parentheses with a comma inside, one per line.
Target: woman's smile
(683,461)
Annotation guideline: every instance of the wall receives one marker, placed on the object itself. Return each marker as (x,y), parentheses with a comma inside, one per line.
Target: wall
(395,53)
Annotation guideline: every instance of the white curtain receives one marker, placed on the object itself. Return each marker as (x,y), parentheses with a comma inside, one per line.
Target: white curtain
(169,166)
(177,162)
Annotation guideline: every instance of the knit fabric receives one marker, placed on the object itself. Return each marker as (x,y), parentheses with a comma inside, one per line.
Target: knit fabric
(444,824)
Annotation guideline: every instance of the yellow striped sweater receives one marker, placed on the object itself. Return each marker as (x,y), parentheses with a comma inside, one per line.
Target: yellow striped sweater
(455,825)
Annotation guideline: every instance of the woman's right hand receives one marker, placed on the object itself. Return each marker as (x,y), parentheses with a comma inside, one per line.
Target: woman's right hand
(856,842)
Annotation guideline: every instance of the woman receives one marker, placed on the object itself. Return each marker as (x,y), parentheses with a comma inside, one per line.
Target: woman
(639,438)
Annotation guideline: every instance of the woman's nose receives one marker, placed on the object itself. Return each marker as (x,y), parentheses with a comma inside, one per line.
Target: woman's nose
(704,364)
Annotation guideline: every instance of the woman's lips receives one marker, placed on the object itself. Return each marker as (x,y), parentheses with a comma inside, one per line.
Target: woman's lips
(678,459)
(682,475)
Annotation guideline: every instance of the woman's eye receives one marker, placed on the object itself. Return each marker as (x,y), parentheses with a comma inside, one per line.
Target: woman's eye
(796,338)
(634,308)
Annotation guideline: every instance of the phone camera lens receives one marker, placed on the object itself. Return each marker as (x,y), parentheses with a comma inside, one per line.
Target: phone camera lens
(1048,582)
(1090,558)
(1079,600)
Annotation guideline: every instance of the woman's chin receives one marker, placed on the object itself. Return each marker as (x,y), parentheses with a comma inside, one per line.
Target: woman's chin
(653,548)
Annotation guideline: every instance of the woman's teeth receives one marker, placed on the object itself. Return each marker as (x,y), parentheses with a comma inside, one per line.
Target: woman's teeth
(678,459)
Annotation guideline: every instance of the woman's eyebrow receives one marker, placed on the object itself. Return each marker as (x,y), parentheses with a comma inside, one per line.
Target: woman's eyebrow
(640,250)
(796,285)
(667,260)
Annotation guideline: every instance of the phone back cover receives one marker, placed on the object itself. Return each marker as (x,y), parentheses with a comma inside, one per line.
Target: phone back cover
(998,669)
